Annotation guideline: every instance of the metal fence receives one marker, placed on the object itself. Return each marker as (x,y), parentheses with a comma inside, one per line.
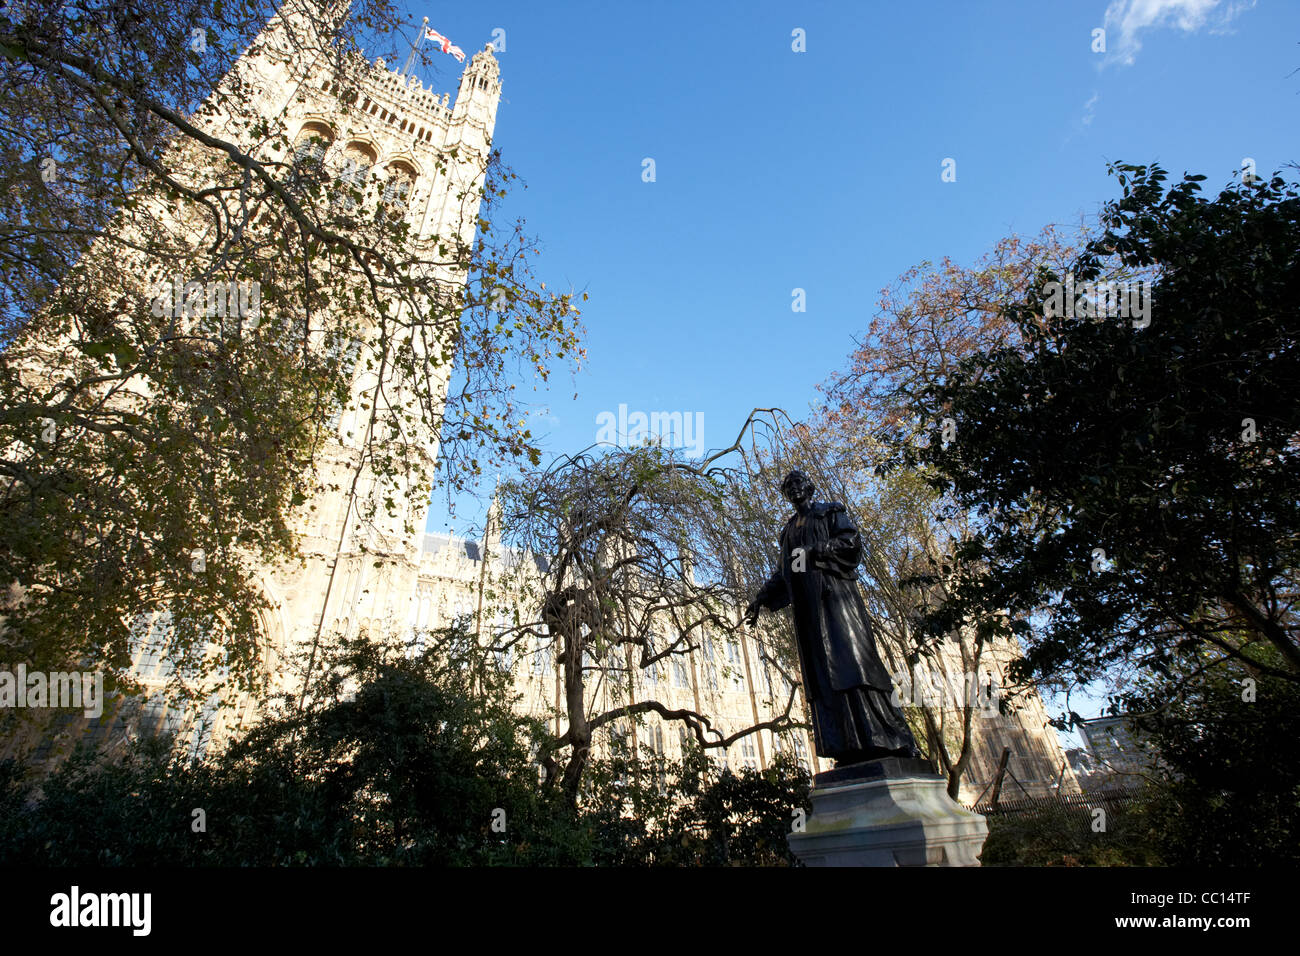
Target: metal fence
(1082,804)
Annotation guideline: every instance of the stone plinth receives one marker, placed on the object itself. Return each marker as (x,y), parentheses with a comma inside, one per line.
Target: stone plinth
(890,812)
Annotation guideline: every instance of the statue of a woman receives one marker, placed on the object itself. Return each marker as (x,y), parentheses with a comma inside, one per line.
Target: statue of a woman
(847,688)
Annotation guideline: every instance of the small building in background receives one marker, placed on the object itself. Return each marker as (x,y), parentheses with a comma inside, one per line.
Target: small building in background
(1113,754)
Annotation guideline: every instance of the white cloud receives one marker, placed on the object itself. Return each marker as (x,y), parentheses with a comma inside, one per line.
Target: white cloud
(1127,20)
(1233,10)
(1090,108)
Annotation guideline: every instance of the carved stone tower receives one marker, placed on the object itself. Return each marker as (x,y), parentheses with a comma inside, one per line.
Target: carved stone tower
(416,153)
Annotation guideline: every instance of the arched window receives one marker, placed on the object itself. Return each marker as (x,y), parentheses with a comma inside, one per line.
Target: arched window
(358,160)
(309,150)
(313,140)
(149,639)
(400,180)
(347,355)
(735,664)
(154,660)
(801,752)
(464,613)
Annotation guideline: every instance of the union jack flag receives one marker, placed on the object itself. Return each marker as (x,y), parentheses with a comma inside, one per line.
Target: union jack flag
(444,44)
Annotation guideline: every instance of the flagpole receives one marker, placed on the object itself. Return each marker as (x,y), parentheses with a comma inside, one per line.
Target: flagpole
(414,46)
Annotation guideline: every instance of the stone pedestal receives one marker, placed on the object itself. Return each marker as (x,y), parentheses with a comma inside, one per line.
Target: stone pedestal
(890,812)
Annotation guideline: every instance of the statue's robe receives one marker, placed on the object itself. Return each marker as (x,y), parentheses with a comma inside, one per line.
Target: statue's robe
(847,687)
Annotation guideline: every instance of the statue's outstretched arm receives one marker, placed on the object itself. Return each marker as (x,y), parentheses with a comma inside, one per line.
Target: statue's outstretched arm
(774,595)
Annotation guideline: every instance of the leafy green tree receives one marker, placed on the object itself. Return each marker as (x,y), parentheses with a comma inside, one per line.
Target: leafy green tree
(1134,482)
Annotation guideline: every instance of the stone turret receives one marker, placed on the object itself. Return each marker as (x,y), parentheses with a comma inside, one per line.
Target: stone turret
(480,92)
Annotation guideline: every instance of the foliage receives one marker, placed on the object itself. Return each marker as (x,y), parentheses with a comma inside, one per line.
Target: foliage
(1219,792)
(407,760)
(402,761)
(1127,510)
(1063,836)
(154,461)
(659,812)
(399,761)
(929,320)
(1226,792)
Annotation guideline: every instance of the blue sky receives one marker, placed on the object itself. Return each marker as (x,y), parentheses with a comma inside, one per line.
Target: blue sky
(821,170)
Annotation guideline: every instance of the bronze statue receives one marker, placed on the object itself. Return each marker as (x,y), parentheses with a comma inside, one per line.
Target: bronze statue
(847,688)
